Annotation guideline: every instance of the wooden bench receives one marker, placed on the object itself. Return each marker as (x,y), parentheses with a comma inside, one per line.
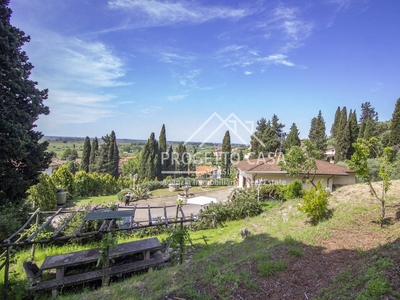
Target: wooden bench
(97,274)
(85,257)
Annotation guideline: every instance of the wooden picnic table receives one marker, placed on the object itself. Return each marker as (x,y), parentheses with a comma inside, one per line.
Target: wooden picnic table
(85,257)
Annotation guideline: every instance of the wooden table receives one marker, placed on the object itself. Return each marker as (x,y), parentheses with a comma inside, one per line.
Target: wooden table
(61,262)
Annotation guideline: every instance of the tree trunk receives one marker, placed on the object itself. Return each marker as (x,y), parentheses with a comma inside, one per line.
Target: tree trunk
(106,269)
(383,212)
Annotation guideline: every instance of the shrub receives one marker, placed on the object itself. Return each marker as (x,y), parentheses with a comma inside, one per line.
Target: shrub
(83,184)
(272,191)
(43,194)
(294,190)
(64,179)
(241,207)
(315,203)
(139,192)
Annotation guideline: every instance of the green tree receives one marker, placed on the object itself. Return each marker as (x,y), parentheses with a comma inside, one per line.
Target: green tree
(336,122)
(256,138)
(72,166)
(181,163)
(368,113)
(148,164)
(93,153)
(353,131)
(85,162)
(359,163)
(315,203)
(162,153)
(241,155)
(22,156)
(394,138)
(131,167)
(368,121)
(64,179)
(292,138)
(301,161)
(342,137)
(226,161)
(113,156)
(369,130)
(43,194)
(107,157)
(317,134)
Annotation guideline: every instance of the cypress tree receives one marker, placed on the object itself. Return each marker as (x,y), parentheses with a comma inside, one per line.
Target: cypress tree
(22,156)
(369,130)
(361,130)
(292,138)
(85,162)
(181,164)
(162,153)
(169,166)
(336,123)
(113,156)
(317,133)
(342,140)
(93,153)
(226,155)
(353,129)
(394,138)
(148,163)
(101,163)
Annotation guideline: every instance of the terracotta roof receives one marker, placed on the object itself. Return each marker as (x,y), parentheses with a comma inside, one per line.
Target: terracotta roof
(206,169)
(269,165)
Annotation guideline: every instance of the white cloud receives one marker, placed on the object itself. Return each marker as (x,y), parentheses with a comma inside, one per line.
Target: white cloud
(78,74)
(158,13)
(176,97)
(287,24)
(169,57)
(248,73)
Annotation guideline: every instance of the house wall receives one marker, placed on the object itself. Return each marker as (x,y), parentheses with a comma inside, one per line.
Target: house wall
(247,179)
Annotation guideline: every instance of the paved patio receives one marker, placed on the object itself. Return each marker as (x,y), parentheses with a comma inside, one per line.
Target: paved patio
(188,209)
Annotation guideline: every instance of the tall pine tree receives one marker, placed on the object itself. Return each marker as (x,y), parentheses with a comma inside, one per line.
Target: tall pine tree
(85,162)
(22,156)
(226,161)
(317,134)
(394,138)
(368,113)
(292,138)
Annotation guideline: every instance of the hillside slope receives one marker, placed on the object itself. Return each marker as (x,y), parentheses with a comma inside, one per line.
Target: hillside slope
(346,257)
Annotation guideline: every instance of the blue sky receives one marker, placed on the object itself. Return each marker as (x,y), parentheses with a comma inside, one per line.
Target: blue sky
(202,67)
